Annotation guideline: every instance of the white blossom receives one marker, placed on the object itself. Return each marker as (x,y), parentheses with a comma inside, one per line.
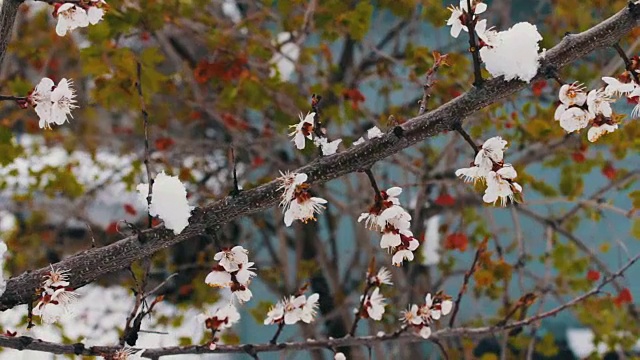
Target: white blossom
(289,182)
(411,316)
(168,201)
(303,129)
(513,53)
(303,209)
(595,132)
(501,187)
(458,13)
(275,314)
(471,174)
(382,277)
(231,259)
(54,304)
(572,94)
(242,293)
(126,353)
(309,309)
(219,279)
(575,119)
(222,318)
(616,87)
(492,151)
(70,16)
(53,103)
(374,304)
(293,309)
(489,37)
(599,102)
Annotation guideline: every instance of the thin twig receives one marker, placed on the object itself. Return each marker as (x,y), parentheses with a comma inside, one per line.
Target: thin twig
(473,46)
(232,154)
(12,98)
(467,276)
(354,326)
(467,137)
(627,62)
(373,182)
(430,80)
(274,339)
(145,117)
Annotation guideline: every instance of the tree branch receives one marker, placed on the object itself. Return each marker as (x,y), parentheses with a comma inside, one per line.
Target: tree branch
(89,265)
(8,13)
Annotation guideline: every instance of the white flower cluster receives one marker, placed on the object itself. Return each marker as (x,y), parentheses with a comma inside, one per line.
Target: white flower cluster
(222,318)
(297,202)
(76,15)
(168,201)
(304,129)
(394,222)
(421,317)
(56,297)
(578,109)
(488,166)
(512,53)
(373,303)
(293,309)
(52,103)
(233,271)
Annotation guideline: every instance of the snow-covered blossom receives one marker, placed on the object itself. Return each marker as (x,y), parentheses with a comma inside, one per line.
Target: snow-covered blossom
(303,129)
(126,353)
(513,53)
(222,318)
(56,297)
(374,305)
(168,201)
(328,148)
(382,277)
(459,15)
(53,103)
(292,309)
(420,317)
(233,271)
(501,187)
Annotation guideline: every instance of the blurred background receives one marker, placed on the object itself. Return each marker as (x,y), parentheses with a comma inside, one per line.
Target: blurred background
(224,73)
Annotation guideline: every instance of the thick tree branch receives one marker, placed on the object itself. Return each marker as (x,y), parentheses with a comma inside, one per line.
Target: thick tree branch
(8,13)
(89,265)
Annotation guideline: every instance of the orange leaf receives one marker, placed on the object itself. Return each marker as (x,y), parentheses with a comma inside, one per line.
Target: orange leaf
(456,241)
(593,275)
(624,297)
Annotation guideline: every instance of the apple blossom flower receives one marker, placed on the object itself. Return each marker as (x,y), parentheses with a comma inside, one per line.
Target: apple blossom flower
(293,309)
(598,102)
(471,174)
(56,297)
(382,277)
(222,318)
(491,152)
(459,15)
(575,119)
(411,316)
(53,103)
(501,187)
(70,16)
(304,209)
(596,131)
(386,200)
(420,317)
(241,292)
(374,305)
(303,129)
(488,37)
(617,87)
(328,148)
(219,278)
(572,94)
(405,250)
(290,182)
(231,259)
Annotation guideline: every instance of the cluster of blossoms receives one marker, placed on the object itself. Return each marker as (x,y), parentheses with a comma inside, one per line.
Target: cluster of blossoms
(420,317)
(512,53)
(297,202)
(373,303)
(489,167)
(293,309)
(77,15)
(220,319)
(394,222)
(305,128)
(56,297)
(578,109)
(234,271)
(52,102)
